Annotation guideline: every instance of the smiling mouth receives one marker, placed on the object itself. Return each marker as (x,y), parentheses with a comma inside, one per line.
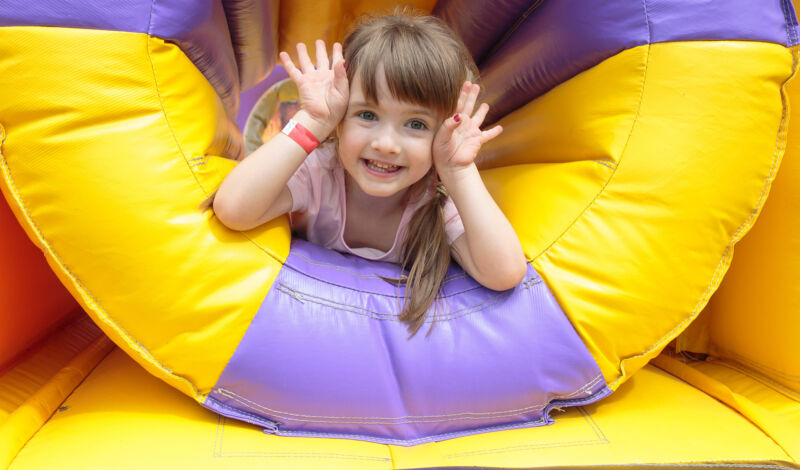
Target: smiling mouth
(381,167)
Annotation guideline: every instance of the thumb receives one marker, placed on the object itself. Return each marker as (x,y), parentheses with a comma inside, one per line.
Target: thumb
(450,124)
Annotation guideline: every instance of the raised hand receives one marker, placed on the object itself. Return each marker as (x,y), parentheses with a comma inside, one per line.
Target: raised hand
(459,138)
(323,90)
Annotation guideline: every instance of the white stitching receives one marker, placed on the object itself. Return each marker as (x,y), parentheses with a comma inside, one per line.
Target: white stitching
(359,310)
(403,419)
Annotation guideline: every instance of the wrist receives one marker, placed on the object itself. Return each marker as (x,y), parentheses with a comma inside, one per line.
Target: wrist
(320,130)
(453,176)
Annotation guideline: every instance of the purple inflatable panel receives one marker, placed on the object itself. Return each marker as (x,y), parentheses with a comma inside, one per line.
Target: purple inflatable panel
(560,39)
(326,356)
(483,25)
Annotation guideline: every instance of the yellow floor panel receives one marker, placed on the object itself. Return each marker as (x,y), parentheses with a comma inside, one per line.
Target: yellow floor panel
(769,394)
(122,418)
(37,367)
(771,406)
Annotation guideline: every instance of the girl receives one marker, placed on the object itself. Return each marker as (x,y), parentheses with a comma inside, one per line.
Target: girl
(399,100)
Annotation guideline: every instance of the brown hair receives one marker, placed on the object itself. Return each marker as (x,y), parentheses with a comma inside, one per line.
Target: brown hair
(424,63)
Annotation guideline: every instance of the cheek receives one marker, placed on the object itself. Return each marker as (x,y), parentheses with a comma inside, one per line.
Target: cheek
(347,141)
(423,159)
(352,135)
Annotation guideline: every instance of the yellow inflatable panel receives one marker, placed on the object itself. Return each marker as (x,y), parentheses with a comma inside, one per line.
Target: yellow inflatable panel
(753,318)
(593,111)
(612,269)
(137,100)
(653,419)
(34,388)
(764,402)
(31,372)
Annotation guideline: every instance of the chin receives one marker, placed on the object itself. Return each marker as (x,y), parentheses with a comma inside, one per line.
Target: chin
(379,192)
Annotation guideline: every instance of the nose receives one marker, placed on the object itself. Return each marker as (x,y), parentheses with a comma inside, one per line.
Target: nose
(385,141)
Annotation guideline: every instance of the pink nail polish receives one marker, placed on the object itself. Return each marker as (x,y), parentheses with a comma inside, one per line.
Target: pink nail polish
(456,118)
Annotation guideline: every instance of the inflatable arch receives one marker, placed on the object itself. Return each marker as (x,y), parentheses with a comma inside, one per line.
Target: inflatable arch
(640,145)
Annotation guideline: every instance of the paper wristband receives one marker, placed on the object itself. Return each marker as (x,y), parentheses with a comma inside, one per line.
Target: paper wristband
(301,135)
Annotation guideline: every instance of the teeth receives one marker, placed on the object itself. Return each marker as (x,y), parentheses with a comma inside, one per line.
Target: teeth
(385,167)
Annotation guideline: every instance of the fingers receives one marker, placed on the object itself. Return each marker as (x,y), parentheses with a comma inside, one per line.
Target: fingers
(491,134)
(340,78)
(305,60)
(293,72)
(337,53)
(449,125)
(302,56)
(480,114)
(322,55)
(462,97)
(471,90)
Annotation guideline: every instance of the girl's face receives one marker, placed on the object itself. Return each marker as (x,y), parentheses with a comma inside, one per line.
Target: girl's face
(386,146)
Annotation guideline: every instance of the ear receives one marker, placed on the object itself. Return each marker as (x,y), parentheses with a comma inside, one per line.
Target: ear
(433,179)
(334,137)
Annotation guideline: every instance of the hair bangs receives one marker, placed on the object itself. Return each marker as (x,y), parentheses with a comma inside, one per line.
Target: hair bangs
(417,69)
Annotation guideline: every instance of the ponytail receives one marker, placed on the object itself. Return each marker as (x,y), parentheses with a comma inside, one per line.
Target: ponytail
(426,256)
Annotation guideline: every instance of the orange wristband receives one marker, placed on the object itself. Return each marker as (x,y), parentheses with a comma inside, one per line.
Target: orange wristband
(301,135)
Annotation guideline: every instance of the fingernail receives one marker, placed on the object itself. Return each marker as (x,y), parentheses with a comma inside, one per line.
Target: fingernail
(456,118)
(343,64)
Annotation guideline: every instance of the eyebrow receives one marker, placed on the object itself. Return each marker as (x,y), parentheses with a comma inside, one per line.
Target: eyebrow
(412,111)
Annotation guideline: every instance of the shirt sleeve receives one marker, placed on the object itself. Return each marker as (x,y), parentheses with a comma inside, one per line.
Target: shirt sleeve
(300,184)
(453,226)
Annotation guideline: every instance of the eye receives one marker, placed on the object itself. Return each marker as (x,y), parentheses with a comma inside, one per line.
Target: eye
(416,124)
(367,115)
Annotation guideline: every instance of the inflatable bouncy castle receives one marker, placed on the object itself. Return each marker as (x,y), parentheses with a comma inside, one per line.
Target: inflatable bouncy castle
(645,143)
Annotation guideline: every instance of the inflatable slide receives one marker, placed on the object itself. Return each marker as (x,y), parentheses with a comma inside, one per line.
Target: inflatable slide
(645,143)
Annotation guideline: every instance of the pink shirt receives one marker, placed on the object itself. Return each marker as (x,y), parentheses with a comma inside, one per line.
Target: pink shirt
(318,193)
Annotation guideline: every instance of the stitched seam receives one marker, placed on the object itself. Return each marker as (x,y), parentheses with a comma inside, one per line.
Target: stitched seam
(406,419)
(499,427)
(766,381)
(166,116)
(791,30)
(601,439)
(399,419)
(606,163)
(255,419)
(358,310)
(526,424)
(150,17)
(177,143)
(622,155)
(325,281)
(356,273)
(220,453)
(520,448)
(302,296)
(598,431)
(624,148)
(719,272)
(757,365)
(218,436)
(305,455)
(102,314)
(695,464)
(786,19)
